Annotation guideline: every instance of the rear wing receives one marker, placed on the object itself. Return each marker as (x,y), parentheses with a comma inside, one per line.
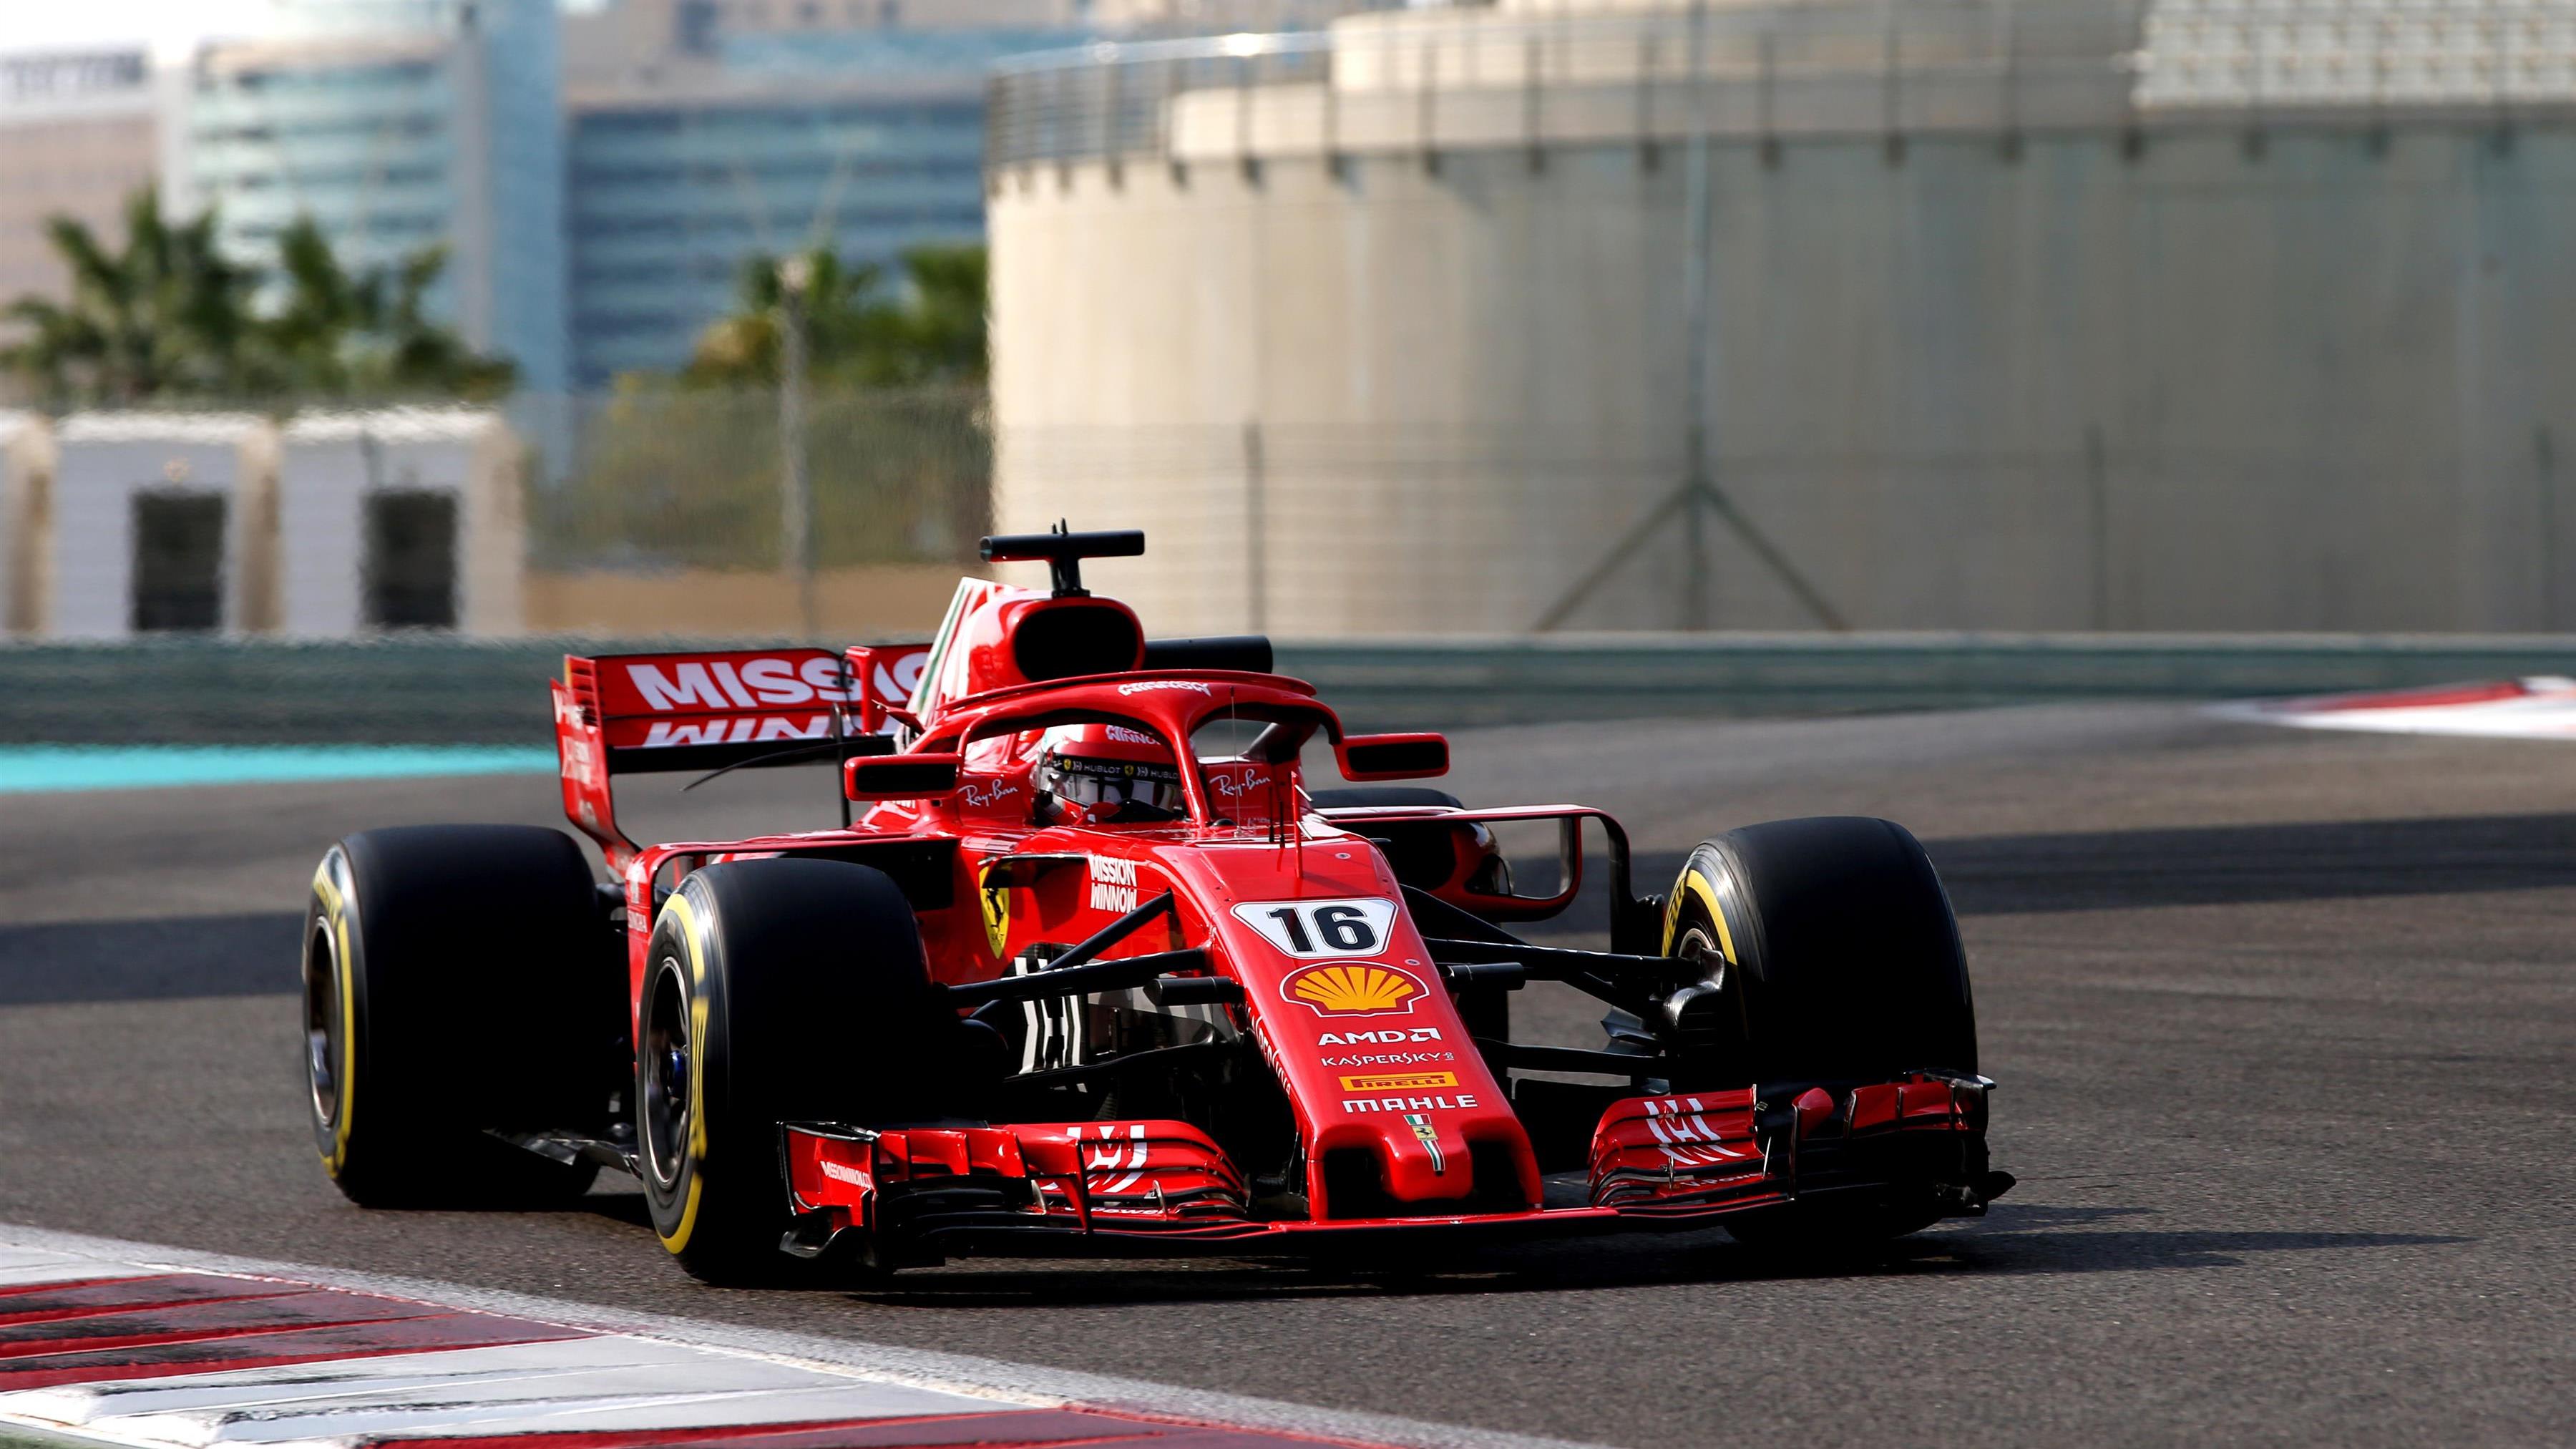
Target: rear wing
(624,714)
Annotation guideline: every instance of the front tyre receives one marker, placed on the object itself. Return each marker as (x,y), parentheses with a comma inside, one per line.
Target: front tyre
(775,991)
(1839,960)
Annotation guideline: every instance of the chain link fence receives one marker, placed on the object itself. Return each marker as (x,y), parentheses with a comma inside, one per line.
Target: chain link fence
(655,510)
(1359,532)
(665,513)
(673,478)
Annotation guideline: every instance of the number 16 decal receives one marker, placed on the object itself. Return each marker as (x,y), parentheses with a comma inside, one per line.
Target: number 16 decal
(1354,927)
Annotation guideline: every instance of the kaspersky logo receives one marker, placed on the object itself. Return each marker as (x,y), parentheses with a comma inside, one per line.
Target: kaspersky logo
(1352,988)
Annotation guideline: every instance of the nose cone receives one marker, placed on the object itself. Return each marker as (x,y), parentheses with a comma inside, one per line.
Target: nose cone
(1419,1137)
(1396,1106)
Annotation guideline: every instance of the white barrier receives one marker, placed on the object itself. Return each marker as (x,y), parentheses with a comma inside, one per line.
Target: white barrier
(162,521)
(401,518)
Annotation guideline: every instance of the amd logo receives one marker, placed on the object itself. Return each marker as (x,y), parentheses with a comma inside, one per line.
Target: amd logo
(1358,1038)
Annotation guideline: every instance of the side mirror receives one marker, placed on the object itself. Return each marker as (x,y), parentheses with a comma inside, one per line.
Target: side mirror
(1489,887)
(1393,757)
(900,777)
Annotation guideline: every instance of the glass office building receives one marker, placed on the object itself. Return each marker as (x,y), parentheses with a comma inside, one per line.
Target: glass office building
(399,124)
(599,176)
(865,141)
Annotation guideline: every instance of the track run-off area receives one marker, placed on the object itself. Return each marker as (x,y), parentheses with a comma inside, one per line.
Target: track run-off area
(2285,1023)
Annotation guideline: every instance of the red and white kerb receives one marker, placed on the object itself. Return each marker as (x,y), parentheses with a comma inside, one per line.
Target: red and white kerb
(127,1354)
(2541,707)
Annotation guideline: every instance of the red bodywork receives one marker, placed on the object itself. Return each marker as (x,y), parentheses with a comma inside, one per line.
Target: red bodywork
(1369,1044)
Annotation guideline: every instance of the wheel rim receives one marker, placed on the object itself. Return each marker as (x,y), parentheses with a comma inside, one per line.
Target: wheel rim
(665,1105)
(1696,946)
(322,1021)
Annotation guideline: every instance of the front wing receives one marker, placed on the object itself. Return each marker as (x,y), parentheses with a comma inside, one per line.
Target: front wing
(1117,1188)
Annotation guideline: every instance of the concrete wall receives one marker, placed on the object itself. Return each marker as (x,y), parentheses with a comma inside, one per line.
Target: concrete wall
(2203,376)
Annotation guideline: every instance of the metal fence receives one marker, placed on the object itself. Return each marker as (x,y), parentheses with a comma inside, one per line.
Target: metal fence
(658,509)
(684,478)
(1114,100)
(667,515)
(1339,533)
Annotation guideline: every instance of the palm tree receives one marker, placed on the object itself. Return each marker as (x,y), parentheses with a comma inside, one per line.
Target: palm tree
(368,334)
(933,333)
(743,349)
(938,336)
(170,317)
(167,313)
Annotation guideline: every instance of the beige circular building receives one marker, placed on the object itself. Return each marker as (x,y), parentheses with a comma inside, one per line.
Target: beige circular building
(1951,314)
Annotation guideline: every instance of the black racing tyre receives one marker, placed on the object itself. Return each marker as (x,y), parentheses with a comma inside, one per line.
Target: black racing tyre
(458,980)
(1840,952)
(781,990)
(1379,797)
(1422,854)
(1840,960)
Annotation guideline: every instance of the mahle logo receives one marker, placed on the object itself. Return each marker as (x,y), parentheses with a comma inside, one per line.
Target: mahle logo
(1352,988)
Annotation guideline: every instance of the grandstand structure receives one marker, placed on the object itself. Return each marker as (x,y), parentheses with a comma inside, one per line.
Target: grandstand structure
(2401,54)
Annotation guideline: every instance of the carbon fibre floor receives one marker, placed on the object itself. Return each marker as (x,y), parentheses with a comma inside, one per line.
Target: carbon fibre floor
(2284,1022)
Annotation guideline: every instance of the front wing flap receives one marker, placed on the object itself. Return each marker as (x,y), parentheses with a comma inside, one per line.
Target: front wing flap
(1680,1160)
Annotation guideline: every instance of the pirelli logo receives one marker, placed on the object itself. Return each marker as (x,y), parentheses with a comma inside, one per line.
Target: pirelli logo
(1400,1082)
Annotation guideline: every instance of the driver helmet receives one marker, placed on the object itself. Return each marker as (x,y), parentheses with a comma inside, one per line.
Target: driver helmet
(1105,774)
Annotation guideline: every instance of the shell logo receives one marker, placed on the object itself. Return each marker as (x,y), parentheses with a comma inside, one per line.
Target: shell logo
(1352,988)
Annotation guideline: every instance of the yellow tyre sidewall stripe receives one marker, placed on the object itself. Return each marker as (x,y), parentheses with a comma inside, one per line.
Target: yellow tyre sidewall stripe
(335,910)
(1696,881)
(677,1240)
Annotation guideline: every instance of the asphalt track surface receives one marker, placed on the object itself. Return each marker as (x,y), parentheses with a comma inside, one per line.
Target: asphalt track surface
(2284,1022)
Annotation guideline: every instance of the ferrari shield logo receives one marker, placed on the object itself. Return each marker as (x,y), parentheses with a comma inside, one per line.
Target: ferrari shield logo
(995,893)
(1428,1136)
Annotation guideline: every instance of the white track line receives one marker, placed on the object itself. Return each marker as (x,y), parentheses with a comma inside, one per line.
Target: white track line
(817,1371)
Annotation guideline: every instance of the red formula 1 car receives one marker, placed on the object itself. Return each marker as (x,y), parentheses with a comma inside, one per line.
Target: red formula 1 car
(1096,971)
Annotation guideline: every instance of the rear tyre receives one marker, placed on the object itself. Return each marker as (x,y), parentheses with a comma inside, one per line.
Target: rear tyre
(458,980)
(776,991)
(1839,960)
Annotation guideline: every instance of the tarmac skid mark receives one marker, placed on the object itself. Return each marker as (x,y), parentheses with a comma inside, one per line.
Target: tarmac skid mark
(127,1344)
